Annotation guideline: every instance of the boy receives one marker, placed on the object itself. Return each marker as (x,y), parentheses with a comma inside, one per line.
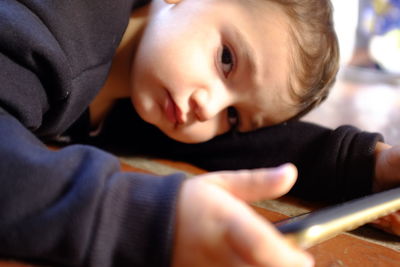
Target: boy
(197,76)
(73,207)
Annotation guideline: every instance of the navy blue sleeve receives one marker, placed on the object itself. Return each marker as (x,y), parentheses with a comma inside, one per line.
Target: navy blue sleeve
(74,207)
(334,164)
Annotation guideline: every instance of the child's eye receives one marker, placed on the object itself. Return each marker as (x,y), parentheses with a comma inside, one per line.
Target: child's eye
(226,60)
(233,117)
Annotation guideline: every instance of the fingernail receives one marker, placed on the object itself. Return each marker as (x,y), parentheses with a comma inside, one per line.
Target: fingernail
(282,169)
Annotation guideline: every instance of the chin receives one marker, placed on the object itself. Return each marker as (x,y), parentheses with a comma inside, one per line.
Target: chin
(186,138)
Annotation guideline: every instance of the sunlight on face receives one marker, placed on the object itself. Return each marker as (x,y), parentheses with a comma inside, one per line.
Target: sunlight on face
(203,67)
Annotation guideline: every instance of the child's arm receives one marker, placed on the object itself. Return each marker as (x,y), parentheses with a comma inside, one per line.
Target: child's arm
(216,228)
(74,206)
(339,162)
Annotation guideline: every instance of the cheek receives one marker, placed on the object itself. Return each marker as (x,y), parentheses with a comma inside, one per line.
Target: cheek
(145,86)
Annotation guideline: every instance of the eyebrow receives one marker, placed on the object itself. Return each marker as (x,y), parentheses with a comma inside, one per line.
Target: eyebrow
(245,51)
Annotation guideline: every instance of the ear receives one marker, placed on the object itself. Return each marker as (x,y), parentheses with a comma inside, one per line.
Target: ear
(172,2)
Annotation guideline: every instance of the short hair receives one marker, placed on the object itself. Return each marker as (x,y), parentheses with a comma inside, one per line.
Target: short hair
(315,57)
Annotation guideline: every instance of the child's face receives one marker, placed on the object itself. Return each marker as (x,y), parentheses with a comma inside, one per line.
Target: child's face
(198,58)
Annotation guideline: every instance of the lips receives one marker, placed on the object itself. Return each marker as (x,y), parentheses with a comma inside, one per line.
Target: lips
(172,111)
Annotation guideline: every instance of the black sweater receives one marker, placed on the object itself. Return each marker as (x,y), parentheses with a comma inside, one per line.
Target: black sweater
(74,207)
(334,165)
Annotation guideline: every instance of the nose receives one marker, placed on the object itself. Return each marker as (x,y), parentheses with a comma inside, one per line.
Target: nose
(206,103)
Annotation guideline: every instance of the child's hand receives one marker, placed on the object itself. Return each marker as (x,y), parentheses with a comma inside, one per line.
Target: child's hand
(389,223)
(387,175)
(215,227)
(387,167)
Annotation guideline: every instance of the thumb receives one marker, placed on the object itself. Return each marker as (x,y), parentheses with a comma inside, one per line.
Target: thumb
(258,184)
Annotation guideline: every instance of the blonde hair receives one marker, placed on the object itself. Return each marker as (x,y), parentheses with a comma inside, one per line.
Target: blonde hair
(315,58)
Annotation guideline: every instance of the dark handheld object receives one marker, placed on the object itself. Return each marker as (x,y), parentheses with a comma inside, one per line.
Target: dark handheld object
(312,228)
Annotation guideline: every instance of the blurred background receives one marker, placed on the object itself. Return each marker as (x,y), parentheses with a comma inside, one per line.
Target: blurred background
(367,93)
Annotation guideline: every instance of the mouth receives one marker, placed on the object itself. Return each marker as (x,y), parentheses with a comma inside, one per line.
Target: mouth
(172,111)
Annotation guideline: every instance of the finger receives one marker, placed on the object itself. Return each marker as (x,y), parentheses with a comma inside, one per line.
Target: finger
(389,223)
(386,167)
(258,243)
(259,184)
(395,223)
